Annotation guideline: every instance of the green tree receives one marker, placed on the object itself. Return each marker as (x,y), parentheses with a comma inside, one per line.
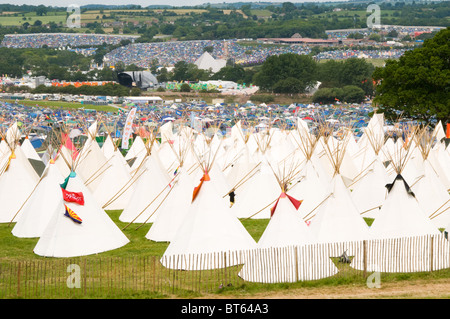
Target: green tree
(185,88)
(285,66)
(41,10)
(354,71)
(417,85)
(289,85)
(353,94)
(328,95)
(375,37)
(230,73)
(135,91)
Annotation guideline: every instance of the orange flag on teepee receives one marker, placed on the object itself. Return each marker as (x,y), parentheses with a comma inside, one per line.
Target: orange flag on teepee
(204,178)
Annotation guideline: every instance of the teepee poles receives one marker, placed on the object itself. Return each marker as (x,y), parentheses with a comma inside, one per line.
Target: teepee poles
(153,200)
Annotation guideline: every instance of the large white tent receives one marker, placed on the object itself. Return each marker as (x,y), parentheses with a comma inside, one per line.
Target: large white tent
(17,181)
(95,234)
(41,205)
(208,228)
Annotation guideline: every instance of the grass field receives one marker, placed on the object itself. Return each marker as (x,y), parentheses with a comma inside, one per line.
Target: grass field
(353,13)
(64,105)
(375,62)
(31,17)
(126,268)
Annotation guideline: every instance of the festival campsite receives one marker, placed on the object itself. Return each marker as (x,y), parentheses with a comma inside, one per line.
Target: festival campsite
(310,203)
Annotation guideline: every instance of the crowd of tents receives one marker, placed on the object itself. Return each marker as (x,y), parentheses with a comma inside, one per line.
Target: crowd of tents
(195,188)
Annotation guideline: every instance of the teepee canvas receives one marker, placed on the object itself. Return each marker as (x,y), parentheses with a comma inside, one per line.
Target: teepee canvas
(79,229)
(176,205)
(38,209)
(336,219)
(208,229)
(17,180)
(152,183)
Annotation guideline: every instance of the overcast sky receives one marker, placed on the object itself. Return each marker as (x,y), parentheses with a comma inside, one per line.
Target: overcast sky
(144,3)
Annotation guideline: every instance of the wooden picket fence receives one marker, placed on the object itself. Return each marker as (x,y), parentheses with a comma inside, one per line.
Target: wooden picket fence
(152,276)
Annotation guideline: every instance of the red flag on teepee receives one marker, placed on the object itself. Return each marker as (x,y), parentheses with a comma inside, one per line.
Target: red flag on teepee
(448,131)
(294,202)
(68,143)
(73,197)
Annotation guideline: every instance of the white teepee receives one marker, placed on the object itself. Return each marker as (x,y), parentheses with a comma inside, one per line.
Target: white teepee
(17,181)
(65,238)
(42,204)
(207,230)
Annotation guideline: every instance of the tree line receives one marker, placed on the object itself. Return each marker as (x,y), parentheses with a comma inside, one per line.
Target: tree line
(284,20)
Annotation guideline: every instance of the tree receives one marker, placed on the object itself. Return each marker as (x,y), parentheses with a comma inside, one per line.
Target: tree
(185,88)
(208,49)
(375,37)
(288,85)
(357,72)
(354,71)
(417,85)
(135,91)
(328,95)
(284,66)
(41,10)
(353,94)
(184,71)
(230,73)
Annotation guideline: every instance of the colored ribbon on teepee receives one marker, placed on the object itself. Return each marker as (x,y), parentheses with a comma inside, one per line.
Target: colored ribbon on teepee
(204,178)
(12,156)
(71,214)
(69,145)
(294,202)
(64,184)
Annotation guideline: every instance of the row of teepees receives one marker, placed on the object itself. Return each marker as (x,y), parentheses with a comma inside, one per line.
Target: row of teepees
(313,186)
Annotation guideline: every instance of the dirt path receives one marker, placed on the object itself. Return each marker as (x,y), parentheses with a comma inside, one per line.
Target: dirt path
(421,289)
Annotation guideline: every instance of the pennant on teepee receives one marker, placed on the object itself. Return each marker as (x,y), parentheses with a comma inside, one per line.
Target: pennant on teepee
(197,189)
(71,214)
(400,177)
(69,145)
(12,156)
(64,184)
(294,202)
(73,197)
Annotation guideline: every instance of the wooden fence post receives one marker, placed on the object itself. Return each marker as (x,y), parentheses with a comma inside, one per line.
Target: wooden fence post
(365,258)
(296,263)
(18,279)
(431,252)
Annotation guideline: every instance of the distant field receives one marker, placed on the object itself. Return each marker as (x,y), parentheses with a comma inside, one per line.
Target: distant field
(31,17)
(375,62)
(184,11)
(350,14)
(262,13)
(65,105)
(237,11)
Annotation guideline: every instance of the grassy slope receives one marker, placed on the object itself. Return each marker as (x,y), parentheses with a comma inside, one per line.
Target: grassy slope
(64,105)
